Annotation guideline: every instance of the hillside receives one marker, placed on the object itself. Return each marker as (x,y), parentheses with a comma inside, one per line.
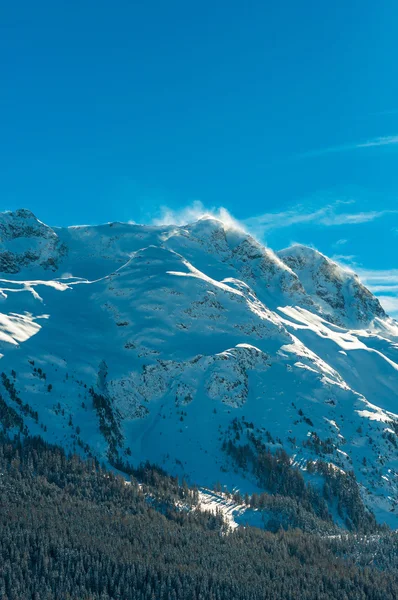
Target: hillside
(72,530)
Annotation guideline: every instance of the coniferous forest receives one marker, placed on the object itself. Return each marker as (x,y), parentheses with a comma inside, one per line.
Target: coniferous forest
(70,529)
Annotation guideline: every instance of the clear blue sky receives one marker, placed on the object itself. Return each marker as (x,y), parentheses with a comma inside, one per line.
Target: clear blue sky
(284,113)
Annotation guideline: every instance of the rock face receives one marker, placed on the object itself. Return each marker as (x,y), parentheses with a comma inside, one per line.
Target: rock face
(25,242)
(151,343)
(339,292)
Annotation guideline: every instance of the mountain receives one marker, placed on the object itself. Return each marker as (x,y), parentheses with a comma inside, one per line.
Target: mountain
(338,292)
(200,350)
(27,242)
(72,529)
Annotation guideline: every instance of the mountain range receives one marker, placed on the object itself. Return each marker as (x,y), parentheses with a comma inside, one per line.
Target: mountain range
(193,346)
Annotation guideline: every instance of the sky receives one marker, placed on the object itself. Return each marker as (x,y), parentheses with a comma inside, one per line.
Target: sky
(282,114)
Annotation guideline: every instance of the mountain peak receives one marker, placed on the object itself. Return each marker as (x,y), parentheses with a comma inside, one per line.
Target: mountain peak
(301,252)
(338,290)
(23,223)
(25,241)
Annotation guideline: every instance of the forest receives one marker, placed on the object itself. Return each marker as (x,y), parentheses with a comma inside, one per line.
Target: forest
(74,530)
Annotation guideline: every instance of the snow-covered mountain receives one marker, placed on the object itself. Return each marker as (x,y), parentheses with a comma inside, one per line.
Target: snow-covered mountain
(153,342)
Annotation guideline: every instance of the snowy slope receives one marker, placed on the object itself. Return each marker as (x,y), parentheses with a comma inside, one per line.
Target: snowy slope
(180,330)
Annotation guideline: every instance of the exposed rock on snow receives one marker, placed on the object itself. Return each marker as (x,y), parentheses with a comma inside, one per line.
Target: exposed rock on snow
(197,326)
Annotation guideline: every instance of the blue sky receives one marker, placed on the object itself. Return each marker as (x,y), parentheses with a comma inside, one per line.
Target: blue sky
(285,114)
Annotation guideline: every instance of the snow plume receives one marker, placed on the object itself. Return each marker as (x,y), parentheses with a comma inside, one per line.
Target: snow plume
(194,212)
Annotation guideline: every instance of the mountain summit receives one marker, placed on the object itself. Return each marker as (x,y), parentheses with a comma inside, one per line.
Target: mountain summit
(195,347)
(338,291)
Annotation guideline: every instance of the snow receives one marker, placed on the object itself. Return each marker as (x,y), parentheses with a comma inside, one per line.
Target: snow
(198,325)
(217,502)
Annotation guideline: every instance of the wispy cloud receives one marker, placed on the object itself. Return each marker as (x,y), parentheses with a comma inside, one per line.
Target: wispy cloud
(389,140)
(354,218)
(333,214)
(391,111)
(383,277)
(330,215)
(346,260)
(378,289)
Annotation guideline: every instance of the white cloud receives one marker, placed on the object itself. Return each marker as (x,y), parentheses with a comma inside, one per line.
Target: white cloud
(385,277)
(346,260)
(391,288)
(380,141)
(389,140)
(355,218)
(330,215)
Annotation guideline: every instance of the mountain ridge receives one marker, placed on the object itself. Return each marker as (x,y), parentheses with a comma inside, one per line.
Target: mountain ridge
(151,340)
